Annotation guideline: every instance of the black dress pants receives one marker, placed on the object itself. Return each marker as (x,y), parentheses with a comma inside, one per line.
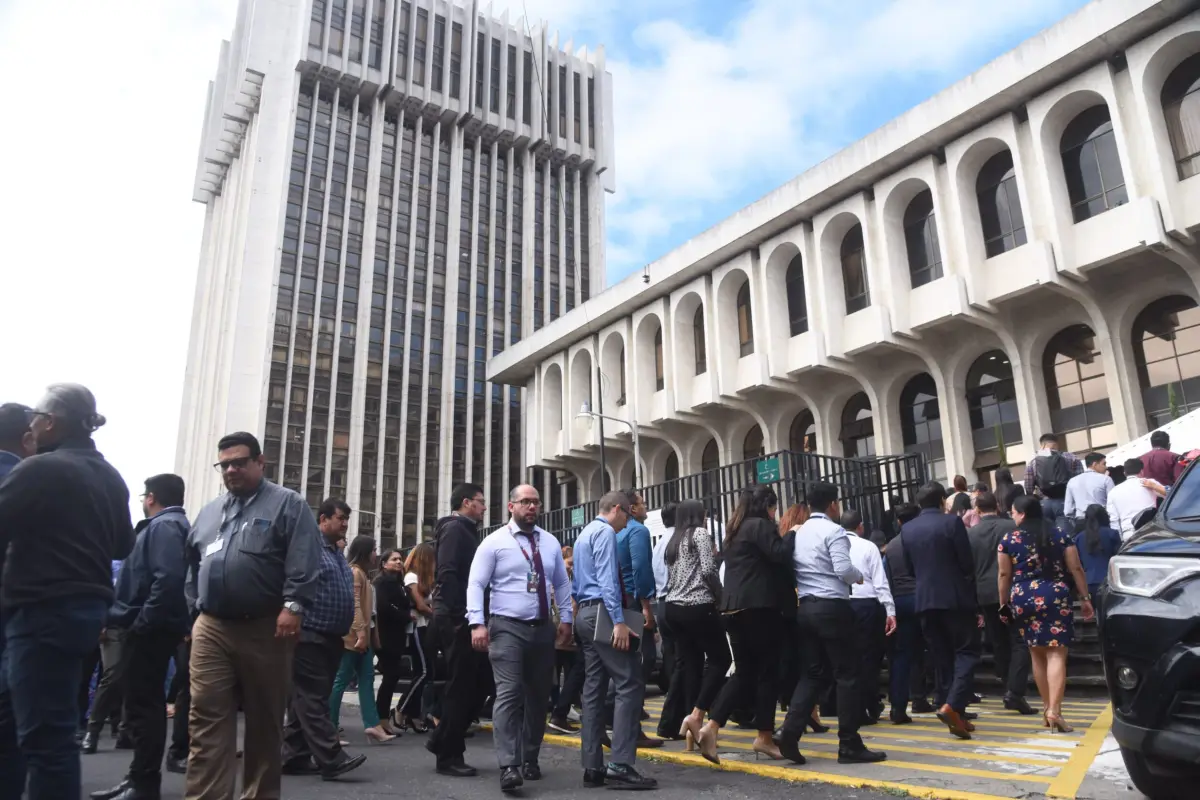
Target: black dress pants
(178,749)
(570,692)
(460,694)
(827,634)
(310,730)
(147,656)
(789,665)
(703,658)
(870,619)
(755,634)
(1010,655)
(951,635)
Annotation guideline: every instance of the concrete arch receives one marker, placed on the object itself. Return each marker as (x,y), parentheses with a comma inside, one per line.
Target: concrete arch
(726,337)
(643,368)
(966,178)
(582,377)
(1158,68)
(656,460)
(776,297)
(829,243)
(895,206)
(683,314)
(614,349)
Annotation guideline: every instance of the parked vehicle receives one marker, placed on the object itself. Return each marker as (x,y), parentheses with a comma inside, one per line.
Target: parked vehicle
(1149,614)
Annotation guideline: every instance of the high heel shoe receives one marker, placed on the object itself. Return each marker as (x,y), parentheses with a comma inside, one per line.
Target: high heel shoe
(377,736)
(771,752)
(707,743)
(1045,718)
(690,731)
(689,742)
(815,726)
(1058,724)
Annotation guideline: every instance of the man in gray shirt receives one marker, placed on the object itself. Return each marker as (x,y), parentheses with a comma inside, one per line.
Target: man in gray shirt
(254,560)
(1010,655)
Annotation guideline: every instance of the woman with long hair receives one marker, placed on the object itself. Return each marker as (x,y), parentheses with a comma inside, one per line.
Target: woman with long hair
(358,658)
(394,613)
(1034,561)
(418,582)
(693,589)
(1007,492)
(1097,543)
(759,587)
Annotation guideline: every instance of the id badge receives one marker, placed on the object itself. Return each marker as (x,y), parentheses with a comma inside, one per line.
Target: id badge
(531,582)
(214,547)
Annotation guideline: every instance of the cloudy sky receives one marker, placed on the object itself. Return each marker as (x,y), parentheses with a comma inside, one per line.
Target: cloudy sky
(716,103)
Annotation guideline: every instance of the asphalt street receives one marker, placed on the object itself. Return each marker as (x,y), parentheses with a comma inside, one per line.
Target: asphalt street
(403,768)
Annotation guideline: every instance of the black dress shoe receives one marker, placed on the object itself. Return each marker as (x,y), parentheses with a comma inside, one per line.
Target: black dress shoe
(900,718)
(90,743)
(510,779)
(623,776)
(593,778)
(922,706)
(974,700)
(109,794)
(1019,704)
(177,765)
(300,766)
(531,771)
(341,767)
(860,756)
(457,769)
(135,793)
(789,746)
(969,715)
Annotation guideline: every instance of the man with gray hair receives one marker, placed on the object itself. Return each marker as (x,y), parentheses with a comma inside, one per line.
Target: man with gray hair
(610,650)
(64,518)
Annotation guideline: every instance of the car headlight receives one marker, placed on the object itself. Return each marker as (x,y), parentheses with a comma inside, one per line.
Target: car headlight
(1149,577)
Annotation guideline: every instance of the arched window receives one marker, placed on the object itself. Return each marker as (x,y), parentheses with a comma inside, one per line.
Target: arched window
(1000,214)
(854,270)
(621,375)
(745,321)
(1075,387)
(1166,351)
(921,240)
(752,445)
(992,402)
(659,376)
(1181,107)
(797,302)
(1095,182)
(921,420)
(710,459)
(802,436)
(698,341)
(671,477)
(858,427)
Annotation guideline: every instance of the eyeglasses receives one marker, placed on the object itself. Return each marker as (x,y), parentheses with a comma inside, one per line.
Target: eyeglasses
(233,463)
(529,502)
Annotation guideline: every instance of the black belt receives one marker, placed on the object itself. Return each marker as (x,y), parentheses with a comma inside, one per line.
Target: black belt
(590,603)
(530,623)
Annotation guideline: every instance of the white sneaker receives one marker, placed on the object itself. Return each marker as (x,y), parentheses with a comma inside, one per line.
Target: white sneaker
(573,716)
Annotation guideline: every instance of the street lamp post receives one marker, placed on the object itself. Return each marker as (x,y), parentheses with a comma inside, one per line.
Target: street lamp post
(586,411)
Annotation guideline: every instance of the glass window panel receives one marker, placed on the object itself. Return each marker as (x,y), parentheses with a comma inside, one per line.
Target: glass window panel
(1078,441)
(1157,349)
(1069,396)
(1094,390)
(1162,372)
(1187,340)
(1189,365)
(1065,373)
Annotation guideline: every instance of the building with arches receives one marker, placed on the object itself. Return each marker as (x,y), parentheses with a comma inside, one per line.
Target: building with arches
(1018,254)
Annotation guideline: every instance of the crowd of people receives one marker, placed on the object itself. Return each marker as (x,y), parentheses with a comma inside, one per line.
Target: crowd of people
(259,607)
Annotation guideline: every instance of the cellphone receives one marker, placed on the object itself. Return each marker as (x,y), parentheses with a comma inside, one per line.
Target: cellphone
(1006,613)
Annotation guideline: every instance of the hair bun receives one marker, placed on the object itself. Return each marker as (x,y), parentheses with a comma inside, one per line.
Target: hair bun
(95,421)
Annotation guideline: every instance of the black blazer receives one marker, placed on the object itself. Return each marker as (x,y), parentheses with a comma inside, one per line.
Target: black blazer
(758,568)
(937,553)
(392,617)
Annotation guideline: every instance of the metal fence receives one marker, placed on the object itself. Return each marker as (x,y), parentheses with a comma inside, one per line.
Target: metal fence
(865,485)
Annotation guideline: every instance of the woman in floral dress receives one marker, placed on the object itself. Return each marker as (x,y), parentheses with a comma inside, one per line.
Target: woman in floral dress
(1034,561)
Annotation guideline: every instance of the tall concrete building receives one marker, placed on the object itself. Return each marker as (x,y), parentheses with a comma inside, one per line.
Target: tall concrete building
(395,191)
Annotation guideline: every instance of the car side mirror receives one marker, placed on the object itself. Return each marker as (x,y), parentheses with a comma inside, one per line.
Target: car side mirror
(1145,517)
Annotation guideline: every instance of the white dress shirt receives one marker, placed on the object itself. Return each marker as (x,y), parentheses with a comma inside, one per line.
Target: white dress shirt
(864,555)
(500,562)
(1125,502)
(822,560)
(1087,488)
(658,560)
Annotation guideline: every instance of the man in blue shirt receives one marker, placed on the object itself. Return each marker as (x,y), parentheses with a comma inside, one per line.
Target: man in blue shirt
(598,591)
(635,553)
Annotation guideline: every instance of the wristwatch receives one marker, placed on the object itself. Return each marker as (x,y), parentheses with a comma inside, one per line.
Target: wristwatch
(1087,598)
(293,607)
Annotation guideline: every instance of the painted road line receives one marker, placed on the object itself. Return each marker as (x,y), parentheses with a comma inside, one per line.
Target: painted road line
(797,775)
(1071,776)
(929,751)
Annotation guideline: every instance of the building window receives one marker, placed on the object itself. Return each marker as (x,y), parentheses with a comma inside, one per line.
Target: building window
(480,53)
(1166,351)
(992,402)
(527,89)
(745,321)
(510,107)
(858,427)
(752,445)
(710,462)
(439,51)
(378,12)
(562,102)
(659,377)
(920,420)
(854,270)
(422,33)
(402,31)
(670,477)
(1075,387)
(621,375)
(921,240)
(316,24)
(337,26)
(591,112)
(698,341)
(456,41)
(1000,214)
(802,436)
(494,87)
(1095,182)
(796,300)
(1181,107)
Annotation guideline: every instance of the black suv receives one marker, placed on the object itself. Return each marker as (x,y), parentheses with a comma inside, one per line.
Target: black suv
(1150,635)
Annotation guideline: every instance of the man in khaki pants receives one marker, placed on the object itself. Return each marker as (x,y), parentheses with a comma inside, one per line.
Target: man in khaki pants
(254,560)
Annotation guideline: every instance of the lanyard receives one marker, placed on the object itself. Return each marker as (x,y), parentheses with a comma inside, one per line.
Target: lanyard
(533,541)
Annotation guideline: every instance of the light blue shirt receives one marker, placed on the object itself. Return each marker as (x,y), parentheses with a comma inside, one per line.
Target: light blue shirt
(635,557)
(822,560)
(1085,489)
(502,561)
(597,574)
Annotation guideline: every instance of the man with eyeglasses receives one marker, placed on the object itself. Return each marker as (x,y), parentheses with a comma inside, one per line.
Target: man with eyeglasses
(456,537)
(254,561)
(519,563)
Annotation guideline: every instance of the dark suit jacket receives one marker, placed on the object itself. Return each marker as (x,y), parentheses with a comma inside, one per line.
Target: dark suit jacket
(938,554)
(758,568)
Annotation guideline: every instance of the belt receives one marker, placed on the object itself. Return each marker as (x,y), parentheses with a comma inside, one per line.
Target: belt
(531,623)
(590,603)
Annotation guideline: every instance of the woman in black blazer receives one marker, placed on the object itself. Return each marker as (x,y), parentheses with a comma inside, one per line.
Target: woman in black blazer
(393,619)
(759,585)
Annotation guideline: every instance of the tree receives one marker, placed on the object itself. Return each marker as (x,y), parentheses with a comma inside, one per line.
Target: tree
(1173,402)
(1000,445)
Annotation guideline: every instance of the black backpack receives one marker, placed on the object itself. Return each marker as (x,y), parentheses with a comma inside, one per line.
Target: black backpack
(1051,474)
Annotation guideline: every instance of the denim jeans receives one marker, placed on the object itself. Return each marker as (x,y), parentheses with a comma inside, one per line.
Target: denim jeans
(44,647)
(362,666)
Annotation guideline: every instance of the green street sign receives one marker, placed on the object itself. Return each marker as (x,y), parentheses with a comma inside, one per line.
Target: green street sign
(577,516)
(768,470)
